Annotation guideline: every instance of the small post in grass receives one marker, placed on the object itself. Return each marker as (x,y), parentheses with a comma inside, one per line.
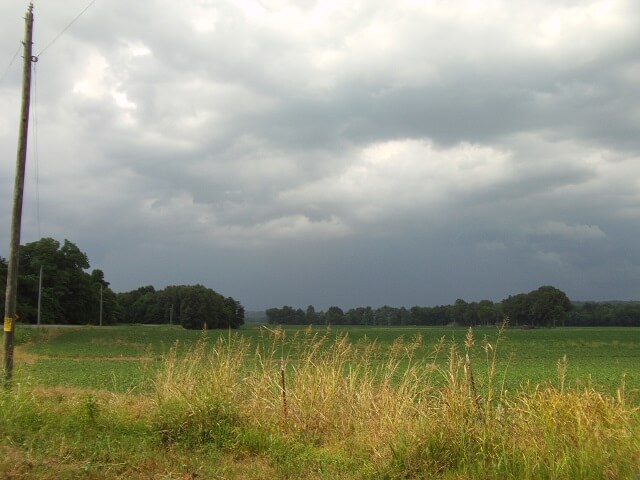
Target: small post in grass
(283,388)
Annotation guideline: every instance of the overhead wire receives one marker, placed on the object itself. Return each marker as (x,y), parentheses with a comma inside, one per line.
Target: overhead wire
(35,108)
(36,165)
(34,117)
(55,39)
(6,70)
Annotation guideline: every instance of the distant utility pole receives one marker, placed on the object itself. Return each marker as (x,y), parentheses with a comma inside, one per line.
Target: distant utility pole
(39,295)
(171,315)
(100,304)
(18,189)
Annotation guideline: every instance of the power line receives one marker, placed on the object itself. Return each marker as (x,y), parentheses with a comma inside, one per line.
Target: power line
(15,55)
(35,145)
(66,28)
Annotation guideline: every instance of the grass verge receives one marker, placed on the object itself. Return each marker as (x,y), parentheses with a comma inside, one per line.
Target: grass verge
(320,406)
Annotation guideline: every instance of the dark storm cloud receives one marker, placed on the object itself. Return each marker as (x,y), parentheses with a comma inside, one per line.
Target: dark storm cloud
(319,152)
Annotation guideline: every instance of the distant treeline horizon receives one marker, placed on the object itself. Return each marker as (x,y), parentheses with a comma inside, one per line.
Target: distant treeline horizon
(546,306)
(55,287)
(71,293)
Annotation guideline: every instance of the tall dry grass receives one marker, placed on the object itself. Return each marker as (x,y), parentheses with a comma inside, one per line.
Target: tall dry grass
(393,412)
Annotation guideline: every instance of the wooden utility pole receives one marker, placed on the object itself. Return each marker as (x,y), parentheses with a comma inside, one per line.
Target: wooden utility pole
(40,296)
(18,189)
(101,304)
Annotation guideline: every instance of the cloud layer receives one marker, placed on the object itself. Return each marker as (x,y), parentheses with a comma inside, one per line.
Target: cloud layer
(325,152)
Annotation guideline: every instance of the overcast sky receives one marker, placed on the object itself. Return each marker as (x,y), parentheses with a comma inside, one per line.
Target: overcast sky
(349,153)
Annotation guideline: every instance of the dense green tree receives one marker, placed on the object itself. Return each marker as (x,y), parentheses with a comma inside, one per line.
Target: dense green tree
(548,306)
(470,314)
(286,316)
(368,316)
(624,314)
(238,313)
(69,293)
(334,316)
(404,316)
(354,316)
(137,305)
(193,306)
(516,308)
(545,307)
(487,313)
(200,307)
(273,316)
(311,317)
(359,316)
(387,315)
(457,312)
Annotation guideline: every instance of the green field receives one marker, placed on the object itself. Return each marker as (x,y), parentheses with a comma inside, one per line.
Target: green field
(121,358)
(161,402)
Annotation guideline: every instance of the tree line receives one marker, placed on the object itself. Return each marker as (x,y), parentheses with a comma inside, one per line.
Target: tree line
(192,306)
(546,306)
(71,294)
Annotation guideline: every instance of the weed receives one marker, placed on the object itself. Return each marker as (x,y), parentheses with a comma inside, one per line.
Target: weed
(392,412)
(303,403)
(90,407)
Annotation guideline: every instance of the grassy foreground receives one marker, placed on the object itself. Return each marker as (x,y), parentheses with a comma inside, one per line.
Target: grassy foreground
(308,404)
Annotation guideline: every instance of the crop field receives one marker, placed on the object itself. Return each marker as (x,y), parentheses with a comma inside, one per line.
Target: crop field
(340,402)
(121,358)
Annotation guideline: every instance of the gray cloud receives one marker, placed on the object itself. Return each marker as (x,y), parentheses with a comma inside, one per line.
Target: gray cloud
(327,153)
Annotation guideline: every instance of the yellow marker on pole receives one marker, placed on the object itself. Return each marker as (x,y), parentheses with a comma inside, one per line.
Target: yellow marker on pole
(8,324)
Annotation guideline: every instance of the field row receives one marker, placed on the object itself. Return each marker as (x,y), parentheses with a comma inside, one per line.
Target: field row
(121,358)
